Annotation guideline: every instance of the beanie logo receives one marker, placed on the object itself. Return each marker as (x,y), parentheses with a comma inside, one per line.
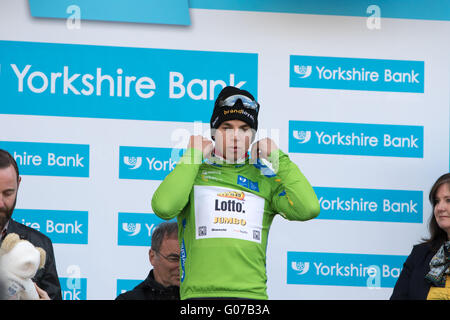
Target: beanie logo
(225,112)
(239,111)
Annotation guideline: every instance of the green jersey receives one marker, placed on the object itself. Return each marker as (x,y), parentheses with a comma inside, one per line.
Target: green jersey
(224,212)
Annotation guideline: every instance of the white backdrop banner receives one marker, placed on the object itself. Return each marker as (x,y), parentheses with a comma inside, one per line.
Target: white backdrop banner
(97,113)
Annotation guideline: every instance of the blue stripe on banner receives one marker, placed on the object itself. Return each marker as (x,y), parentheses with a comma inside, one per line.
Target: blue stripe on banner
(139,11)
(401,9)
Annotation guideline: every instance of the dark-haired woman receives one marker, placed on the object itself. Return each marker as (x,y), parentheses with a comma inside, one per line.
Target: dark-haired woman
(426,271)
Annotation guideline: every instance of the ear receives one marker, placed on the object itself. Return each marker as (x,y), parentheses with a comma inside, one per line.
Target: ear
(43,257)
(10,241)
(151,255)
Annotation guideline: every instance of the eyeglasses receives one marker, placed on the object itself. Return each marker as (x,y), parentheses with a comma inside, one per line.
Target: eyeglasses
(171,257)
(246,102)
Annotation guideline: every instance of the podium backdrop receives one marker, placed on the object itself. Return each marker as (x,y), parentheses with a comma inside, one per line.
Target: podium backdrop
(97,111)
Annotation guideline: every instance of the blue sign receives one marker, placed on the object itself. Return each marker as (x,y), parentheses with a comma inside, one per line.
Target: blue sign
(73,288)
(356,139)
(177,11)
(139,11)
(343,269)
(117,82)
(124,285)
(49,159)
(401,9)
(357,74)
(135,229)
(61,226)
(147,163)
(370,204)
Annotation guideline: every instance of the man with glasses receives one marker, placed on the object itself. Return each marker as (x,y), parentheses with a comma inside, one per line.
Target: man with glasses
(225,199)
(163,281)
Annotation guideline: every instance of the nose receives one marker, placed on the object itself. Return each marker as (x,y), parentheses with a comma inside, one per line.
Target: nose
(439,206)
(234,133)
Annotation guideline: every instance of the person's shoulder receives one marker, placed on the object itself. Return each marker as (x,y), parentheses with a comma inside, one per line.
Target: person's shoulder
(424,246)
(28,233)
(421,249)
(137,293)
(129,295)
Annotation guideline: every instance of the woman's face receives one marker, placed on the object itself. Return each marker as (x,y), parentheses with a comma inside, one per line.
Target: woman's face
(442,208)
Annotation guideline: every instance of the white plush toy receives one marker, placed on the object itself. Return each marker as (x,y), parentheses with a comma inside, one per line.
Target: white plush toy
(19,262)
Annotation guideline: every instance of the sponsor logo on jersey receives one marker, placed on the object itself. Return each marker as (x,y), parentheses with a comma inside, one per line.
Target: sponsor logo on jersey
(232,194)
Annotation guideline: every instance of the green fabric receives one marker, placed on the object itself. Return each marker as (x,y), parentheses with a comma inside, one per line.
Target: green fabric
(227,266)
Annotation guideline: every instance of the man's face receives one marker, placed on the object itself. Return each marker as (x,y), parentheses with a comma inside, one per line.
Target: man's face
(233,139)
(166,262)
(9,184)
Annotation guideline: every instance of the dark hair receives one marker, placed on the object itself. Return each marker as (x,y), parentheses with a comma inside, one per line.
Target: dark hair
(6,160)
(164,229)
(437,235)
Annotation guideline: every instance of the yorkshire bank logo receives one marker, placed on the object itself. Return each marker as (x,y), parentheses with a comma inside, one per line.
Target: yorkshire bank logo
(136,229)
(133,162)
(301,136)
(376,205)
(61,226)
(303,71)
(300,267)
(72,80)
(146,163)
(50,159)
(131,228)
(357,74)
(356,139)
(343,269)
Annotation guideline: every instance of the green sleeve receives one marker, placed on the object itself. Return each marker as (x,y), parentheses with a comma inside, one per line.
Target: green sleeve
(294,198)
(172,194)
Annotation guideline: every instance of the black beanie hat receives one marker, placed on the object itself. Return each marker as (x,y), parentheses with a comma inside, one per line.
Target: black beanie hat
(236,112)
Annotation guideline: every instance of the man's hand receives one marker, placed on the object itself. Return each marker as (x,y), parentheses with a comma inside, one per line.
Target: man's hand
(201,143)
(263,148)
(42,294)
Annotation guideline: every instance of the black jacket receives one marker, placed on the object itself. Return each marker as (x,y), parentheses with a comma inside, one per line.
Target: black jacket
(149,289)
(47,277)
(411,284)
